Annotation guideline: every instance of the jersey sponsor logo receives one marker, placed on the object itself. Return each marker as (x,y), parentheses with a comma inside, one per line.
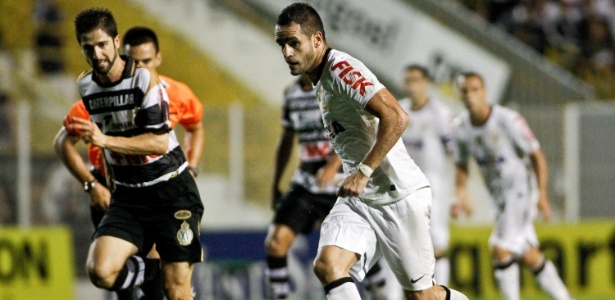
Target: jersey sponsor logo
(315,150)
(112,101)
(351,77)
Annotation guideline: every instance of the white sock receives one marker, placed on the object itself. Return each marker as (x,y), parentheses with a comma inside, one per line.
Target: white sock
(507,278)
(442,270)
(342,289)
(549,280)
(454,294)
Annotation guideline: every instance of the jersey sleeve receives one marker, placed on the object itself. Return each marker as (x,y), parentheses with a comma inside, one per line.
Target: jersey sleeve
(521,134)
(77,110)
(184,106)
(153,112)
(354,79)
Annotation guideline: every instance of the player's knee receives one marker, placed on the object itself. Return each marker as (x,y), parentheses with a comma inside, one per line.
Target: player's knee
(278,241)
(101,275)
(275,247)
(328,271)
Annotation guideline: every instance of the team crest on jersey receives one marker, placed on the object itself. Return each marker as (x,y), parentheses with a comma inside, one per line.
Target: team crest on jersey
(185,234)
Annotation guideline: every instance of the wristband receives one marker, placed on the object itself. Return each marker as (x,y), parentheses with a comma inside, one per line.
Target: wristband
(365,169)
(89,185)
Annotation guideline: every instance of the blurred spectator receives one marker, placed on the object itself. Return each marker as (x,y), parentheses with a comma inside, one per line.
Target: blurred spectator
(47,16)
(579,35)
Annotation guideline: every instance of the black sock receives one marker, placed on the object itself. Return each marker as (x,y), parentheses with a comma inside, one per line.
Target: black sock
(277,274)
(135,271)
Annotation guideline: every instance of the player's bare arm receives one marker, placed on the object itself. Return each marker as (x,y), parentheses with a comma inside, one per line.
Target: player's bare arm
(143,144)
(64,146)
(392,123)
(462,201)
(194,142)
(282,156)
(326,175)
(539,163)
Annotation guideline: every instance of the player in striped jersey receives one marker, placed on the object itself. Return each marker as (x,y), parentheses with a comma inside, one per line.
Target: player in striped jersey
(383,204)
(428,141)
(154,197)
(515,172)
(141,44)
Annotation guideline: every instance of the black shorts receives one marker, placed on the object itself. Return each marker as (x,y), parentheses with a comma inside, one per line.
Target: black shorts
(300,209)
(167,214)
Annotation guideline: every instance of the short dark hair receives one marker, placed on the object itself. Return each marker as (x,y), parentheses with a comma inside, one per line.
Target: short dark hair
(420,68)
(468,74)
(140,35)
(95,18)
(304,15)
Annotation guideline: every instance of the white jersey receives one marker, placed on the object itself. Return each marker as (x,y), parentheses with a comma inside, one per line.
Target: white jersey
(343,91)
(428,142)
(501,147)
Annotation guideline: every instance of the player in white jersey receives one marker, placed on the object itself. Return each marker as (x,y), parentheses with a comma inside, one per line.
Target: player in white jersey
(384,202)
(154,198)
(428,141)
(515,172)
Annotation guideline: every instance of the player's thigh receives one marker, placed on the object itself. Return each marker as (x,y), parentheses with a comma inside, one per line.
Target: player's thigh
(300,209)
(109,253)
(347,228)
(402,228)
(176,274)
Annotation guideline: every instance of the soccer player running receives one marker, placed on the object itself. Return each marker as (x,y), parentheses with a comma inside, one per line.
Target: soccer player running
(312,191)
(515,172)
(383,204)
(154,199)
(428,141)
(141,44)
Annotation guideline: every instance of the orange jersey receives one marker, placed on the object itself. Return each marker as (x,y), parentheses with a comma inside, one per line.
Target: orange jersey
(184,108)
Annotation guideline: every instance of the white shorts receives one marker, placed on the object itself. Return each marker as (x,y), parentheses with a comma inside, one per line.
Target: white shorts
(440,218)
(514,224)
(399,231)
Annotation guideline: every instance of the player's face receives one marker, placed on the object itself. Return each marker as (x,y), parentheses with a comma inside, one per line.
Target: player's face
(145,55)
(473,93)
(415,84)
(297,48)
(100,50)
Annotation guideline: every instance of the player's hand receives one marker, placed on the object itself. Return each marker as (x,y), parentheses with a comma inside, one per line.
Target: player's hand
(461,207)
(353,185)
(544,207)
(90,133)
(325,177)
(100,197)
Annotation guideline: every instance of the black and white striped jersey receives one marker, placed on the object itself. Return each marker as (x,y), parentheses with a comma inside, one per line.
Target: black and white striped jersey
(129,107)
